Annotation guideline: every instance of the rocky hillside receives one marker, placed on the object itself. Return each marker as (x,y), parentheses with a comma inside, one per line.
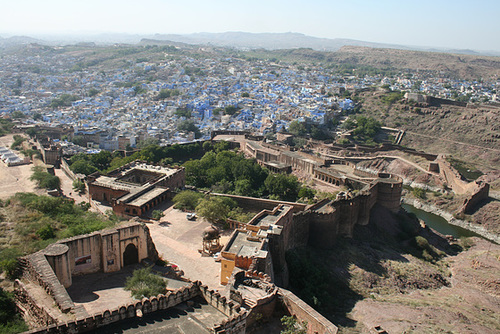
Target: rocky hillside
(471,134)
(462,66)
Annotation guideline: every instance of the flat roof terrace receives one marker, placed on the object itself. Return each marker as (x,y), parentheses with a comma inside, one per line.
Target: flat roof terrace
(241,245)
(144,198)
(267,219)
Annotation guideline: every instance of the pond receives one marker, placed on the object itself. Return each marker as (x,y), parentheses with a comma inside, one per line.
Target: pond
(439,224)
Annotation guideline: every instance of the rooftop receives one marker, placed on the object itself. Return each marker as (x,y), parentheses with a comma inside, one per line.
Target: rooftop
(242,244)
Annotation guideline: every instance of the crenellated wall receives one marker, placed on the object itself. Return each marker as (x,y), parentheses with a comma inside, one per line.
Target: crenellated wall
(145,306)
(236,322)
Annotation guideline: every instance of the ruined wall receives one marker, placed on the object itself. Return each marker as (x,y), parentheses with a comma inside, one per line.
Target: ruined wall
(316,323)
(57,257)
(480,193)
(84,253)
(37,269)
(67,170)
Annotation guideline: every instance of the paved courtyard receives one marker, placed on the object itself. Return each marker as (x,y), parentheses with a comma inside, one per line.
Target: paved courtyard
(178,240)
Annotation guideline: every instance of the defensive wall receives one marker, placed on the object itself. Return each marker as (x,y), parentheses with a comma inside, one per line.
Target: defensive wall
(128,311)
(316,323)
(433,101)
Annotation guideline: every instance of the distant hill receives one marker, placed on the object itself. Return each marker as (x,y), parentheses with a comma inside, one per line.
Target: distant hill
(269,41)
(238,40)
(18,40)
(275,41)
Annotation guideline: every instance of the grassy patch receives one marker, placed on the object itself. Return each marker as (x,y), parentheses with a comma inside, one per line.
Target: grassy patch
(466,170)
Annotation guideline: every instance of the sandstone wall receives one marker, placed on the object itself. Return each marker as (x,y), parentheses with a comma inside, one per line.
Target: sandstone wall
(316,323)
(145,306)
(480,193)
(236,322)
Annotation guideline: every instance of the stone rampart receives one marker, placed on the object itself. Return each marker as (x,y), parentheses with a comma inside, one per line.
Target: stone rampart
(132,310)
(67,170)
(236,322)
(37,314)
(37,269)
(316,323)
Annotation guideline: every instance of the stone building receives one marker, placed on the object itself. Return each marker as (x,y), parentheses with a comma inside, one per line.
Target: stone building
(136,188)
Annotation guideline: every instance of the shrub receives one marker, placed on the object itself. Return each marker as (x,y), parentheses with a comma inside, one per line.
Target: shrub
(46,232)
(419,193)
(157,214)
(143,283)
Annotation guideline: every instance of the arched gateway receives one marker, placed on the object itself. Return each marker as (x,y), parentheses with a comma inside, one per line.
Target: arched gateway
(130,255)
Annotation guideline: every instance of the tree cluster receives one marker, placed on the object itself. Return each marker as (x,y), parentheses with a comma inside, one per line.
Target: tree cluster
(229,172)
(166,93)
(64,100)
(44,179)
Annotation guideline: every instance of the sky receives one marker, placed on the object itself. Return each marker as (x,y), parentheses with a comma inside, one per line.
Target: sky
(455,24)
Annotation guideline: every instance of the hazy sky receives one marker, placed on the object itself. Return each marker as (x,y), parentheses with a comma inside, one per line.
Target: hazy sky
(450,24)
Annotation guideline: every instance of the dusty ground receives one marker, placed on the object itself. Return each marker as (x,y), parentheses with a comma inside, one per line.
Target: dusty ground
(471,304)
(16,178)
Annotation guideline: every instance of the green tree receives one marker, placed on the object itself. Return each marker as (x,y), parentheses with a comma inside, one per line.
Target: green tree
(214,209)
(18,140)
(189,126)
(157,214)
(285,187)
(306,192)
(93,92)
(187,200)
(144,283)
(79,186)
(83,167)
(101,160)
(44,179)
(64,100)
(297,128)
(230,110)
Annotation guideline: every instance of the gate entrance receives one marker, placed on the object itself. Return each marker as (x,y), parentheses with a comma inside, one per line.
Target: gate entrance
(130,255)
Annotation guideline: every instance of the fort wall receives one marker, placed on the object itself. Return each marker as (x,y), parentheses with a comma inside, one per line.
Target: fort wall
(38,315)
(316,323)
(132,310)
(237,317)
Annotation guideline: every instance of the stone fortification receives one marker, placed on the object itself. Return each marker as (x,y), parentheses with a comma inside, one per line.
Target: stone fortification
(316,323)
(132,310)
(479,194)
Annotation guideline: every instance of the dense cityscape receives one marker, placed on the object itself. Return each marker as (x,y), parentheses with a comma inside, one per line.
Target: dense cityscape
(179,98)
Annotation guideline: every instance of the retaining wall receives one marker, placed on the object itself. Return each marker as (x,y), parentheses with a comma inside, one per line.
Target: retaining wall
(316,323)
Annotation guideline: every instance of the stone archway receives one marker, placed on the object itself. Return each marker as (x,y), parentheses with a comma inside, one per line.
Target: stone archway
(130,255)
